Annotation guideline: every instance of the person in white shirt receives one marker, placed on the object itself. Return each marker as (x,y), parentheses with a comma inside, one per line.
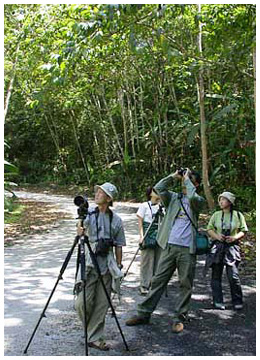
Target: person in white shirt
(150,250)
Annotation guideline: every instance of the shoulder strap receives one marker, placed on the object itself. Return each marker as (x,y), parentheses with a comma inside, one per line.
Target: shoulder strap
(110,222)
(195,227)
(150,208)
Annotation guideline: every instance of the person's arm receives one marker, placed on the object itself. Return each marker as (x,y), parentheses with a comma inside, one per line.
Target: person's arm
(119,242)
(242,229)
(82,226)
(215,236)
(211,229)
(191,192)
(236,237)
(161,188)
(119,255)
(80,229)
(141,230)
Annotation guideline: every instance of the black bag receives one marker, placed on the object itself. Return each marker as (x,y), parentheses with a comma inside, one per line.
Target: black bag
(202,241)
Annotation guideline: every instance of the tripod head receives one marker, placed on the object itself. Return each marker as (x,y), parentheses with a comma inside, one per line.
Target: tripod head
(82,202)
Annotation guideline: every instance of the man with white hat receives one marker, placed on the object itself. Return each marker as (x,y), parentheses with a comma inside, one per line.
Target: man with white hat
(105,233)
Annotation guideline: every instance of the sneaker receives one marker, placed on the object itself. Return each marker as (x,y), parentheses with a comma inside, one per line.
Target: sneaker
(143,290)
(177,327)
(238,307)
(219,306)
(137,320)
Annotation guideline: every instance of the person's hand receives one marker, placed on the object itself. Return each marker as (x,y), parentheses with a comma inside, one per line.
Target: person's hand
(221,237)
(120,266)
(80,231)
(141,239)
(187,174)
(176,175)
(230,239)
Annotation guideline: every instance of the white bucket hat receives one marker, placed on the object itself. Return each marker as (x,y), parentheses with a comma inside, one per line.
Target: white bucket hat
(228,195)
(108,188)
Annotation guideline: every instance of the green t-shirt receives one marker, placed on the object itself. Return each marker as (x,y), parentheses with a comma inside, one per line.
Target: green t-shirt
(238,222)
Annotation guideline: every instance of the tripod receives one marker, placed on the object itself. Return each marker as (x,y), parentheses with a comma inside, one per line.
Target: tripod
(81,241)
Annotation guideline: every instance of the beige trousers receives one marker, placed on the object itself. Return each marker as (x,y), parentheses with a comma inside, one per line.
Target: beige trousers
(96,304)
(149,263)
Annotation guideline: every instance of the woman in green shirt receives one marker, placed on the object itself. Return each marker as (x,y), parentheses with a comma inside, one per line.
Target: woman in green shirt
(226,227)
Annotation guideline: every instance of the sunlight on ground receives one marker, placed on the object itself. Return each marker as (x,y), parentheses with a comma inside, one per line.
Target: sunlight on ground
(13,322)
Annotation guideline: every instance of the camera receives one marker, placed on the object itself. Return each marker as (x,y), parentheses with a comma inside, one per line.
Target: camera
(82,202)
(182,171)
(226,232)
(103,246)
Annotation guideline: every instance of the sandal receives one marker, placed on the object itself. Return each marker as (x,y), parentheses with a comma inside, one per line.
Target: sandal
(99,345)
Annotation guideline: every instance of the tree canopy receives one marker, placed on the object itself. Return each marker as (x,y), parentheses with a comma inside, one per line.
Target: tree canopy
(102,92)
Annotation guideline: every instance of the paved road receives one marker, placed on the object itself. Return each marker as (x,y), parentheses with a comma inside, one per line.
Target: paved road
(32,268)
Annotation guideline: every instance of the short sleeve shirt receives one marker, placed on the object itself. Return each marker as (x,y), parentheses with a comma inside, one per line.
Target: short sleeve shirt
(147,210)
(98,226)
(181,232)
(237,224)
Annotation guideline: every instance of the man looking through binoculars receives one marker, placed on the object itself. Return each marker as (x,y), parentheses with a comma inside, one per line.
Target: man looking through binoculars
(177,239)
(105,232)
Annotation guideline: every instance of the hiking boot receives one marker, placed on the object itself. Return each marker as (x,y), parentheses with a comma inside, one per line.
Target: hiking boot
(143,290)
(219,306)
(137,320)
(177,327)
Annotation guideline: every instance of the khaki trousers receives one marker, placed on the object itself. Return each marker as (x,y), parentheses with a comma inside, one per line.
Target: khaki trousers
(96,304)
(149,264)
(172,258)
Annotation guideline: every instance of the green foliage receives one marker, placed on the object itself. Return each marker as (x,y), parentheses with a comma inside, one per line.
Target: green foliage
(13,211)
(105,84)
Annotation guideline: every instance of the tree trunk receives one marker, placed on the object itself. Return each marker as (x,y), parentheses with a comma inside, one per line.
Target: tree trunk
(131,118)
(11,84)
(72,117)
(254,66)
(121,151)
(96,103)
(121,101)
(136,120)
(203,126)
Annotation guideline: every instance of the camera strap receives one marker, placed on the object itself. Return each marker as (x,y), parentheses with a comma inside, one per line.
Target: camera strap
(110,221)
(180,197)
(230,221)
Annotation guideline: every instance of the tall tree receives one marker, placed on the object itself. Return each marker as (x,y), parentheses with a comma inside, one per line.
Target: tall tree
(203,125)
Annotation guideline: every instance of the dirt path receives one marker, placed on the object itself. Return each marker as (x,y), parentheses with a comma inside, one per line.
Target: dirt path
(32,268)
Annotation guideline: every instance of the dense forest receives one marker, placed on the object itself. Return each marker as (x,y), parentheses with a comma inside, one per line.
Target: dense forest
(127,93)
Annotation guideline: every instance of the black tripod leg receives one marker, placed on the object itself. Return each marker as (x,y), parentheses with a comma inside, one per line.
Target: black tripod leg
(85,319)
(83,279)
(94,260)
(67,259)
(131,262)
